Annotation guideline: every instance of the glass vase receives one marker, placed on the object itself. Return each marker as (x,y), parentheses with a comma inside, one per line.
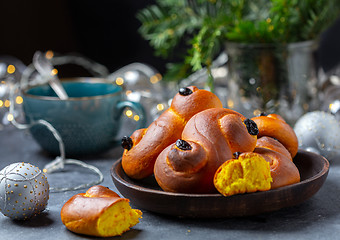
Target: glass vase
(272,78)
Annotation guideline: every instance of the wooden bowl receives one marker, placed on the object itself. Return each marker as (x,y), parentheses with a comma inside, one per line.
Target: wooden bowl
(147,195)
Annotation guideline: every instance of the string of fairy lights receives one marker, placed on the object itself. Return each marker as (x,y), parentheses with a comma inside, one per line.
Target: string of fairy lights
(152,78)
(5,102)
(159,107)
(119,81)
(140,82)
(13,81)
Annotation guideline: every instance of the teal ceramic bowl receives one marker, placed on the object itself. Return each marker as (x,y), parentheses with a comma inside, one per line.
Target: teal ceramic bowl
(88,121)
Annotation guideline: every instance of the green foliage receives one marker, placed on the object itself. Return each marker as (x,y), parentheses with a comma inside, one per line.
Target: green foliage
(202,26)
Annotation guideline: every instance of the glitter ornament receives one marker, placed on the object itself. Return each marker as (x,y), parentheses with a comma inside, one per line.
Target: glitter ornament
(24,191)
(319,132)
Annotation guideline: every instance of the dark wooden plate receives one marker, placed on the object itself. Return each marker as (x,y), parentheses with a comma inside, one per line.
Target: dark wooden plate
(147,195)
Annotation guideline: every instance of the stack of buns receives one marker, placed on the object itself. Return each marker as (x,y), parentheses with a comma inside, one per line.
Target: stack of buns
(197,146)
(144,145)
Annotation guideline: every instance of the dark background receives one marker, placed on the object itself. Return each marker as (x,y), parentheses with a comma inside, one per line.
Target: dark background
(102,30)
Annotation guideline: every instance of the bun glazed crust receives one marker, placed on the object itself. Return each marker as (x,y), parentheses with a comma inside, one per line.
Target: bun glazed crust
(283,170)
(274,126)
(190,141)
(138,162)
(269,166)
(213,136)
(81,213)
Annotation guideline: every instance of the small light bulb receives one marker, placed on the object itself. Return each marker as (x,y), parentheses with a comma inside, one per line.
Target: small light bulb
(10,117)
(119,81)
(156,78)
(7,103)
(54,72)
(136,118)
(257,112)
(49,54)
(129,113)
(19,100)
(160,107)
(10,69)
(230,103)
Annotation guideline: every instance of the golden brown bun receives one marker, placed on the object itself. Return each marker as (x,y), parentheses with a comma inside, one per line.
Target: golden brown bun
(283,170)
(138,162)
(274,126)
(209,139)
(99,212)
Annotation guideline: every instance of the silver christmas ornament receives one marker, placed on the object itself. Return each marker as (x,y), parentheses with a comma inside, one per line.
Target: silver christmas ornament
(142,83)
(24,191)
(319,132)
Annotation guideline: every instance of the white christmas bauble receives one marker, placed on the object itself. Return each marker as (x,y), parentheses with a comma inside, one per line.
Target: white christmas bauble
(319,132)
(24,191)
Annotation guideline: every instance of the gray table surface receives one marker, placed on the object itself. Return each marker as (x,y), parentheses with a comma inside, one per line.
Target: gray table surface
(316,218)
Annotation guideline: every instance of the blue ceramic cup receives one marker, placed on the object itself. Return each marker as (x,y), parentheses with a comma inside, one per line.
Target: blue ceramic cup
(88,121)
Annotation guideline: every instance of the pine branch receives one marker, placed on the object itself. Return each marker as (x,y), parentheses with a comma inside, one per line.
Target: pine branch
(203,25)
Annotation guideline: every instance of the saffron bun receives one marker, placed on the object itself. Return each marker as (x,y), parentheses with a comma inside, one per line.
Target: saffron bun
(144,145)
(273,125)
(99,212)
(208,140)
(269,166)
(249,172)
(282,168)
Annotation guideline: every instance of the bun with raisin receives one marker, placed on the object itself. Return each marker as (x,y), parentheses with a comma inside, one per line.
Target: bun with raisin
(144,145)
